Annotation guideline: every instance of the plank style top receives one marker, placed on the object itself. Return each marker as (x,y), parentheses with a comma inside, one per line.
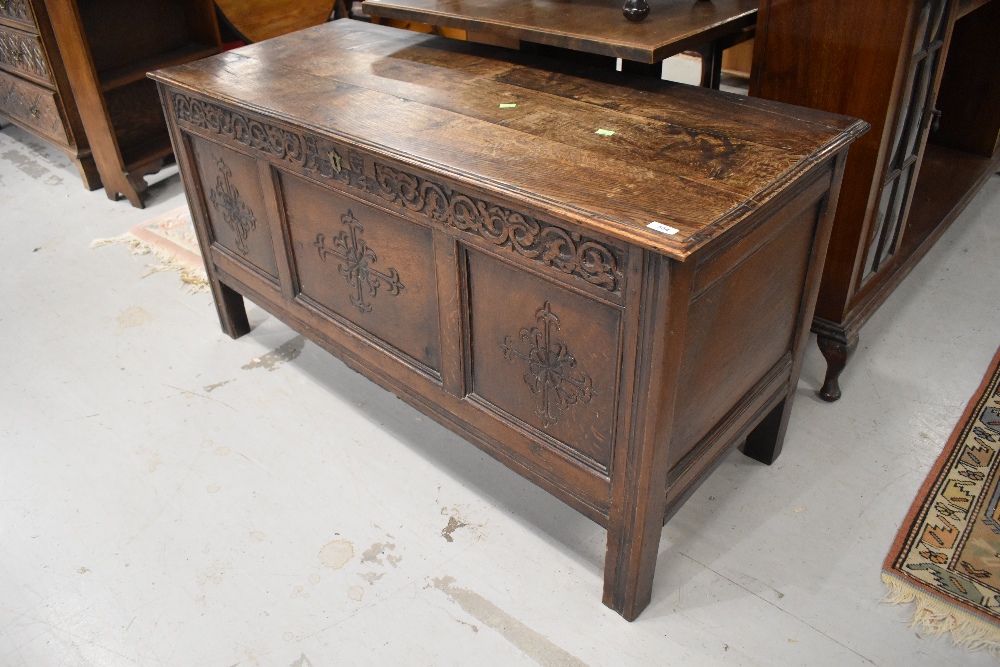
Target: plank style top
(594,26)
(610,152)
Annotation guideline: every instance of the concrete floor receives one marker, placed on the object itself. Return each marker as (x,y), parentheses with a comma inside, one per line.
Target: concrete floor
(169,496)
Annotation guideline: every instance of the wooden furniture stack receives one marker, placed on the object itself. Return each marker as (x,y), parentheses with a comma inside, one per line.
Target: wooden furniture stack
(35,93)
(603,281)
(73,72)
(109,46)
(926,75)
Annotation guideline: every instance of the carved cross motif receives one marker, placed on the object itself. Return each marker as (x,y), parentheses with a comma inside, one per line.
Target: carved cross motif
(357,260)
(230,205)
(550,367)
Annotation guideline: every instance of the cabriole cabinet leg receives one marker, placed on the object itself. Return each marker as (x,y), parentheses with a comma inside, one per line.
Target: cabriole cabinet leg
(836,353)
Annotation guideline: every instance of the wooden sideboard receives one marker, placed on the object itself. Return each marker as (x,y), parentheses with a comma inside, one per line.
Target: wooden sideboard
(106,48)
(605,286)
(926,75)
(34,90)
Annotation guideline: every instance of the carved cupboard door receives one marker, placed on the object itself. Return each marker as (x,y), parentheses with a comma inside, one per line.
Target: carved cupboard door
(914,117)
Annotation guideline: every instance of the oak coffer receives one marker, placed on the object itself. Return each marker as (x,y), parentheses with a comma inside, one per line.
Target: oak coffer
(605,282)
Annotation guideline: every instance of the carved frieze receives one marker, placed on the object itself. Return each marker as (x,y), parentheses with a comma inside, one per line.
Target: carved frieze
(568,252)
(357,262)
(22,53)
(551,372)
(303,150)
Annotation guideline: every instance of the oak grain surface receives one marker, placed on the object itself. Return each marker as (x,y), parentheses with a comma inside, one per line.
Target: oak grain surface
(695,160)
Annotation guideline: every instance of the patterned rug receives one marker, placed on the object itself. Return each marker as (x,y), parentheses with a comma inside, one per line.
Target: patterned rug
(169,237)
(946,557)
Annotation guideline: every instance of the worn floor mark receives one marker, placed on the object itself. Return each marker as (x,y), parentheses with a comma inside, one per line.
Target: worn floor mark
(25,163)
(535,645)
(335,554)
(134,316)
(371,577)
(212,387)
(374,553)
(454,523)
(303,661)
(278,356)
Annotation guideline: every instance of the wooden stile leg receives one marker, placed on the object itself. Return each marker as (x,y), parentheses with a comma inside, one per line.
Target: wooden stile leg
(232,310)
(88,172)
(765,441)
(639,481)
(633,542)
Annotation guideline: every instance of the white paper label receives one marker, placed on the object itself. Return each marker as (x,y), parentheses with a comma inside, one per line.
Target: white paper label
(660,227)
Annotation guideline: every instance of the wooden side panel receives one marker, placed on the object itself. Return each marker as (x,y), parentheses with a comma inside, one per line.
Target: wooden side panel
(743,324)
(370,267)
(236,213)
(545,356)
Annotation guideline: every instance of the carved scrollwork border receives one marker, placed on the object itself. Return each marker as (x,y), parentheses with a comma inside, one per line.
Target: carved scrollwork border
(306,151)
(595,262)
(569,252)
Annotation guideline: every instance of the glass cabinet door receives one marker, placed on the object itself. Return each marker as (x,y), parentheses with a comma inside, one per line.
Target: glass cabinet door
(913,121)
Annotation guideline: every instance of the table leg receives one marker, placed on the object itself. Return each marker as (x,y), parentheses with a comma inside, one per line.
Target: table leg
(711,64)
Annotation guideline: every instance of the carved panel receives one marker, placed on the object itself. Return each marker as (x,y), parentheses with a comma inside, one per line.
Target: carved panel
(571,253)
(16,10)
(234,204)
(544,356)
(32,106)
(551,368)
(358,263)
(351,260)
(228,203)
(23,54)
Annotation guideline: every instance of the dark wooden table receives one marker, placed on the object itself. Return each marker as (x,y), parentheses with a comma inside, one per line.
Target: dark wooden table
(594,26)
(605,286)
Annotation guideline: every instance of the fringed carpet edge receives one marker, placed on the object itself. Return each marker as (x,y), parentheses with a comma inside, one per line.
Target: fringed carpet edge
(170,256)
(934,614)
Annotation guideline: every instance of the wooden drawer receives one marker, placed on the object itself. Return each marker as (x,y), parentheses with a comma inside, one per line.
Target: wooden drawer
(22,54)
(32,106)
(17,12)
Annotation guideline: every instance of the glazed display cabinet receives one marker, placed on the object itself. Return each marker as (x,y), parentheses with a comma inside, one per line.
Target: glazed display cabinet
(924,74)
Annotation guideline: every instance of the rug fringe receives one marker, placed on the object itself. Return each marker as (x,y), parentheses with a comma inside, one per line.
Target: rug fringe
(193,278)
(934,616)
